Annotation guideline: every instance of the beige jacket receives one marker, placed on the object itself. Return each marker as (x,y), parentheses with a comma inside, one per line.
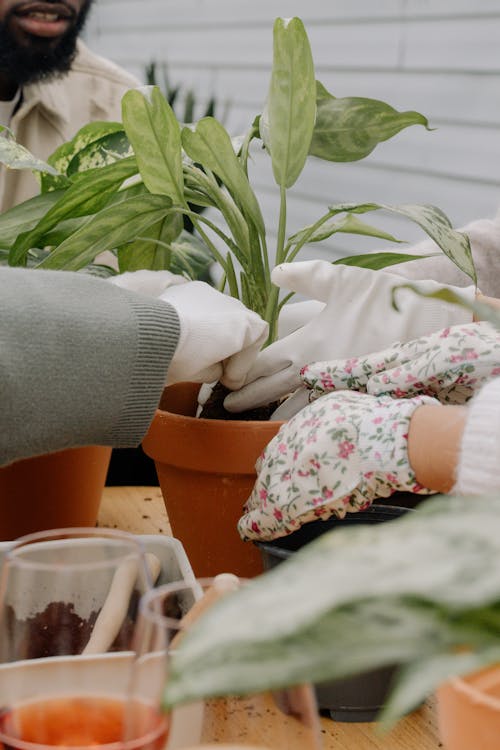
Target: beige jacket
(51,113)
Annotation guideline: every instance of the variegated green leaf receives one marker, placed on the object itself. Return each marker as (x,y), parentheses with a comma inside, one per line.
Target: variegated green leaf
(287,122)
(434,222)
(349,129)
(15,156)
(61,158)
(154,132)
(319,616)
(100,153)
(109,229)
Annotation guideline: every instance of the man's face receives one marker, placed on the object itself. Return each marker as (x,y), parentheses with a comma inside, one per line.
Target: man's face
(38,37)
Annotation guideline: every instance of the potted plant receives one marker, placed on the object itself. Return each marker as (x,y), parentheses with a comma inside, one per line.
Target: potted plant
(430,603)
(151,173)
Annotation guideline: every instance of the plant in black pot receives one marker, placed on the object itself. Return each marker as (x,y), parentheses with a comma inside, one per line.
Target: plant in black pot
(358,698)
(421,591)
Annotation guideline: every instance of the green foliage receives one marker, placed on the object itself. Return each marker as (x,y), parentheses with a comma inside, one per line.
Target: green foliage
(431,602)
(136,183)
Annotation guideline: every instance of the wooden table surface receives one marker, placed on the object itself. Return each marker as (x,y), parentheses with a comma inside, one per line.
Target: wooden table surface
(140,510)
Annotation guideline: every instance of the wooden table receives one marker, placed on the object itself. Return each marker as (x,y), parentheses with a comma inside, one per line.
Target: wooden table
(140,510)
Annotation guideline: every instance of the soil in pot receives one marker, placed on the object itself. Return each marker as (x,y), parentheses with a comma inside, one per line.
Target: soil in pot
(354,699)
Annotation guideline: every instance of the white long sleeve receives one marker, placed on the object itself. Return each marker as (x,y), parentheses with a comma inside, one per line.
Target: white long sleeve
(478,470)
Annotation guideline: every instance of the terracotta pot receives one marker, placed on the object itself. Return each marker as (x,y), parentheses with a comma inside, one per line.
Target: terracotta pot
(53,491)
(206,469)
(469,711)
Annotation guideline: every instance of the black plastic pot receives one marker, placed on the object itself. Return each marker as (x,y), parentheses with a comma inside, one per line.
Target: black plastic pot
(357,698)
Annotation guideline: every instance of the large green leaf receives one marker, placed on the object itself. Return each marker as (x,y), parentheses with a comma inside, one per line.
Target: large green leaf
(109,229)
(348,129)
(319,616)
(87,196)
(154,132)
(209,144)
(287,123)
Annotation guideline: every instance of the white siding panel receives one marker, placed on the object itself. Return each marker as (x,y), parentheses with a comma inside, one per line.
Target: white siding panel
(439,57)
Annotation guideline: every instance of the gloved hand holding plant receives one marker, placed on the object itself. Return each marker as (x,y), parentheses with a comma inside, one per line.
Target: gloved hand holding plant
(334,457)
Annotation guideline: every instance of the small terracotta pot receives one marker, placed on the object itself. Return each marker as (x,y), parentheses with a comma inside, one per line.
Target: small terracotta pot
(53,491)
(206,469)
(469,711)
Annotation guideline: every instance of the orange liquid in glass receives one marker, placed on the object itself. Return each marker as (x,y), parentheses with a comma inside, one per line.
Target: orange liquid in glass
(81,721)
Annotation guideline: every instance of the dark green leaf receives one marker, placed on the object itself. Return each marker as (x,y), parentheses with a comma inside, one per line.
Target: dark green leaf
(88,195)
(376,261)
(23,217)
(152,250)
(109,229)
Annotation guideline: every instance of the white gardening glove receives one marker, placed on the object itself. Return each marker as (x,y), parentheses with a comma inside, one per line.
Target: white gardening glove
(357,318)
(334,457)
(219,337)
(151,283)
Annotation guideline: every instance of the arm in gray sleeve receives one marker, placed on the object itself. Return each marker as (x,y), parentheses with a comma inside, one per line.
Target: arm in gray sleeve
(82,361)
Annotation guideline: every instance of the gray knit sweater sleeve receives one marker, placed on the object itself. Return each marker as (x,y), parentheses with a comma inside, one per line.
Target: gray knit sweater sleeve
(82,361)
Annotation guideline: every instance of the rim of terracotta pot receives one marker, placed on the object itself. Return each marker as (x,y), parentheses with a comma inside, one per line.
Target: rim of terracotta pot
(476,693)
(168,434)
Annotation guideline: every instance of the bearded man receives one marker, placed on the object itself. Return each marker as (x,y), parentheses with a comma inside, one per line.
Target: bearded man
(50,83)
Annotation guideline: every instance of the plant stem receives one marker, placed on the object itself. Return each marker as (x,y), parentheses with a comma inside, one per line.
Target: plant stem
(280,245)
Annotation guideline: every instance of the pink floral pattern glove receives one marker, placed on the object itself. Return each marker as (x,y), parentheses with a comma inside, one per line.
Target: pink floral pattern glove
(450,365)
(334,457)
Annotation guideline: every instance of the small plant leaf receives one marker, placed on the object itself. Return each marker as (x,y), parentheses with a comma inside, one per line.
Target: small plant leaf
(101,152)
(348,224)
(377,261)
(348,129)
(287,123)
(15,156)
(154,132)
(109,229)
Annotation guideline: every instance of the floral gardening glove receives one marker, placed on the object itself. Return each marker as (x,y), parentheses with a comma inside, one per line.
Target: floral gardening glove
(334,457)
(450,364)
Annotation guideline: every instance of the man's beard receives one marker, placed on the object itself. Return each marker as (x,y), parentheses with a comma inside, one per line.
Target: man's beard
(41,59)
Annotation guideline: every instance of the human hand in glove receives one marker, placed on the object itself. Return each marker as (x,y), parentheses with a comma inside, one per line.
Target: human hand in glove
(451,365)
(334,457)
(357,318)
(219,337)
(150,283)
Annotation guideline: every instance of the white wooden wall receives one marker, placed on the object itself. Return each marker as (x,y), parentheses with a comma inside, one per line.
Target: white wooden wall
(440,57)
